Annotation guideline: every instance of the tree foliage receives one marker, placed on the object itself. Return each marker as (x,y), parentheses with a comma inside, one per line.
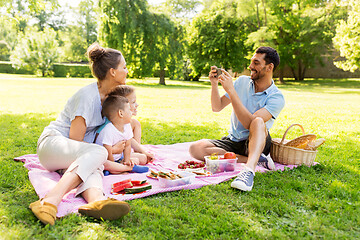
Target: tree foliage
(217,37)
(301,31)
(36,51)
(148,40)
(347,39)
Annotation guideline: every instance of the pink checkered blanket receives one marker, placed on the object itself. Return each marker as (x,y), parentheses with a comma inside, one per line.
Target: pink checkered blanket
(167,158)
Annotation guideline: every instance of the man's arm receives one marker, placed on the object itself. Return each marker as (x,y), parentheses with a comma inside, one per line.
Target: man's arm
(241,112)
(217,103)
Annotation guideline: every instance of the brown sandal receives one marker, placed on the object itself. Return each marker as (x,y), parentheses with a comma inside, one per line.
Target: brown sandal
(109,209)
(45,212)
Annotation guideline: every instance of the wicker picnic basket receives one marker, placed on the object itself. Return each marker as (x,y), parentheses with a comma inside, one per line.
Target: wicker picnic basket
(283,154)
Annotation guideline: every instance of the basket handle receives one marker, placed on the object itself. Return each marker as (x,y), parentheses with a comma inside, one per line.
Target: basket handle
(295,124)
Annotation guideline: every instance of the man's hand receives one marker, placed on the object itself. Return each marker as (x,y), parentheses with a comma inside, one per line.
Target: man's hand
(213,75)
(226,81)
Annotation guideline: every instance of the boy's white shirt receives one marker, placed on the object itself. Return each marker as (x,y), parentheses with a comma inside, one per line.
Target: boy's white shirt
(110,135)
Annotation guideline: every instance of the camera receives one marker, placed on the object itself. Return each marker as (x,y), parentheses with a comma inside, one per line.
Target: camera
(218,72)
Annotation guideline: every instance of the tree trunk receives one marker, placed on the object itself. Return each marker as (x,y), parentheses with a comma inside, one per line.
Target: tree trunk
(281,75)
(303,73)
(257,14)
(197,78)
(294,74)
(162,77)
(265,18)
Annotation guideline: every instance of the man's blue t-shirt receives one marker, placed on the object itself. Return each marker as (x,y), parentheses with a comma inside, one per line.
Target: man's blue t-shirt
(271,99)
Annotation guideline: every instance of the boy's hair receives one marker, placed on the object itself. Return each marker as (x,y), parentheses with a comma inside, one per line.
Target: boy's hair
(271,55)
(122,90)
(113,104)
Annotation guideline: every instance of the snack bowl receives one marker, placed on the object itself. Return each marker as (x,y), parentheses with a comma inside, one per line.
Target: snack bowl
(220,165)
(187,178)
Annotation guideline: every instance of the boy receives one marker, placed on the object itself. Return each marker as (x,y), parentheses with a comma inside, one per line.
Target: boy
(117,110)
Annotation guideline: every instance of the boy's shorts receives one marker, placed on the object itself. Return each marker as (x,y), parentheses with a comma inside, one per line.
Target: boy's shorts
(241,147)
(120,159)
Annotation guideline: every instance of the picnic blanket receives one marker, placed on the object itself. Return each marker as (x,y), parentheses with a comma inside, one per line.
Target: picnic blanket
(167,158)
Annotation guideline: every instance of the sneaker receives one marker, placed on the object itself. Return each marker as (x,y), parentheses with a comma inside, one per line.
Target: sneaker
(140,169)
(266,162)
(245,180)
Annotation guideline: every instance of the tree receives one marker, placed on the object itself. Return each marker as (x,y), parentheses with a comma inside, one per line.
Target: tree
(148,40)
(78,36)
(87,20)
(218,38)
(36,51)
(301,31)
(347,39)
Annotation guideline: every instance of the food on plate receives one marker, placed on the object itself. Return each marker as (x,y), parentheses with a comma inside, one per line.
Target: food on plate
(120,187)
(137,183)
(128,186)
(170,175)
(138,189)
(191,164)
(153,174)
(229,155)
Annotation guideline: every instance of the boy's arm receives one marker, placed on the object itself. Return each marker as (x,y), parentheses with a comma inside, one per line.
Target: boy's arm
(140,149)
(110,154)
(127,151)
(119,147)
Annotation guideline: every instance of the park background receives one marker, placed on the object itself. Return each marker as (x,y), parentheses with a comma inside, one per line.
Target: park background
(42,49)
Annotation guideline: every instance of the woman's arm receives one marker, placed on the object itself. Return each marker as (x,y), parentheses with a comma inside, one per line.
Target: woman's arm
(110,152)
(77,129)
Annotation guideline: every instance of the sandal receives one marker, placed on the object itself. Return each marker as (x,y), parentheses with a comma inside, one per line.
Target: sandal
(109,209)
(45,212)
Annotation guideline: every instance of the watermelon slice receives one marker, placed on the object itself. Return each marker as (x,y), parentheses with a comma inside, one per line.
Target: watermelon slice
(138,183)
(121,187)
(138,189)
(121,183)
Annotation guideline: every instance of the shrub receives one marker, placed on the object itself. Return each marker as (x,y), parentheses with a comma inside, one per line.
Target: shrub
(36,52)
(6,67)
(71,70)
(4,51)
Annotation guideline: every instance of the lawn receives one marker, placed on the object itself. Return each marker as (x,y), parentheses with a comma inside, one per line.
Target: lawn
(305,203)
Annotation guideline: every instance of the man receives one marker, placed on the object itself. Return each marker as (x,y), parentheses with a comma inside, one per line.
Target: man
(256,102)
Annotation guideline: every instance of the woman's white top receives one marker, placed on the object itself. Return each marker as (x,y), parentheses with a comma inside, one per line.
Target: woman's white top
(85,103)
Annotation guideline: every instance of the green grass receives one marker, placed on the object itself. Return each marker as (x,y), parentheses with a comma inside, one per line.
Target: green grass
(305,203)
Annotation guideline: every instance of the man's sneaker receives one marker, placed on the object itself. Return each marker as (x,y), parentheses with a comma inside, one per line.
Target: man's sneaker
(266,162)
(244,180)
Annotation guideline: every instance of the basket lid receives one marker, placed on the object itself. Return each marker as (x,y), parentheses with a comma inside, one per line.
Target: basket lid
(313,145)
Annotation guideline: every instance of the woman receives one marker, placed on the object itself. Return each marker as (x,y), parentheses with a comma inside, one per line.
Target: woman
(67,143)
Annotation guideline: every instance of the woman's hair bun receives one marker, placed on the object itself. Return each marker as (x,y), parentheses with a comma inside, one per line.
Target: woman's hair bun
(95,52)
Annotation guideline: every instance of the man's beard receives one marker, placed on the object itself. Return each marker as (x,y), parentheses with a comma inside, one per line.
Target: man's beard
(258,75)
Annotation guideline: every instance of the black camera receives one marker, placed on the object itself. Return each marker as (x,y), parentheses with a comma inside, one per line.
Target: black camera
(218,72)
